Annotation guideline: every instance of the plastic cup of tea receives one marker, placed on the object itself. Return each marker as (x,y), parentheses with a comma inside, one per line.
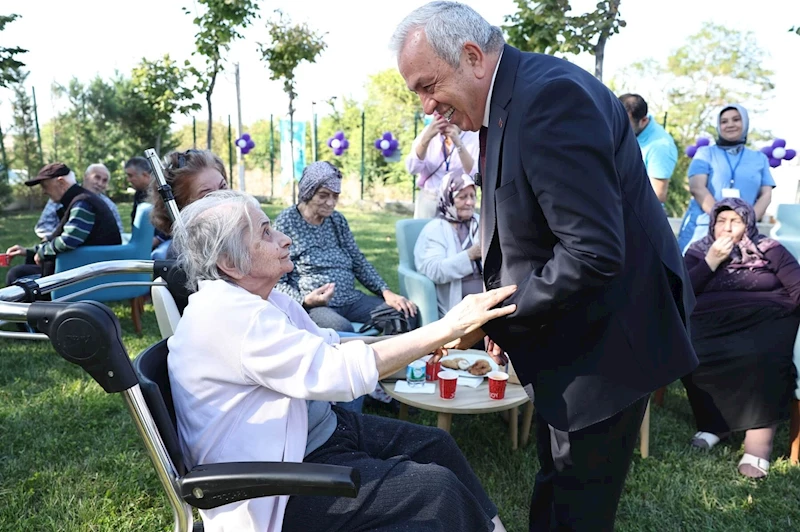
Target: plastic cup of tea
(447,384)
(415,373)
(497,384)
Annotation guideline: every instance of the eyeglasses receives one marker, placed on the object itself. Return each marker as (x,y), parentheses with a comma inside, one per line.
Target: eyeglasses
(182,159)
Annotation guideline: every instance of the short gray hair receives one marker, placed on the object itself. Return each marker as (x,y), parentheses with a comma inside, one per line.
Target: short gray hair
(96,166)
(448,26)
(212,229)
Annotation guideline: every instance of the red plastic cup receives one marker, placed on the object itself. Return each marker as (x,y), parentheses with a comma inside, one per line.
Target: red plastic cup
(5,259)
(447,384)
(432,370)
(497,384)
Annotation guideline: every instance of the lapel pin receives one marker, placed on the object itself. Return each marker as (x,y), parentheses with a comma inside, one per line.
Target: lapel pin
(500,122)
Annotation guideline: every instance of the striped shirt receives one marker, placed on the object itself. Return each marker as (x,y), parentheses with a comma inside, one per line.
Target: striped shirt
(76,231)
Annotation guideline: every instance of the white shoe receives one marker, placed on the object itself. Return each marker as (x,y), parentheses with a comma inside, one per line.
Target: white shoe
(705,440)
(760,464)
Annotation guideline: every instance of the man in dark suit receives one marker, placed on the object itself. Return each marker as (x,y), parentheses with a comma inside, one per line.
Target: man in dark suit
(567,214)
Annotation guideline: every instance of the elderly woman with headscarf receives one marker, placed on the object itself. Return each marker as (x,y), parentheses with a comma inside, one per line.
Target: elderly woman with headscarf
(327,260)
(725,170)
(743,330)
(448,249)
(252,378)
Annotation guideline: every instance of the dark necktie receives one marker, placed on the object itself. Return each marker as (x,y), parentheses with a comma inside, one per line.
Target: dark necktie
(482,156)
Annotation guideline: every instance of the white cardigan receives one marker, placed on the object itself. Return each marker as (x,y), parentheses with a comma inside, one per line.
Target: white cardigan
(241,369)
(439,257)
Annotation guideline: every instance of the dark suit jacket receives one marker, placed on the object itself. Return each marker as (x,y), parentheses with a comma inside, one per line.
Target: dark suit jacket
(568,214)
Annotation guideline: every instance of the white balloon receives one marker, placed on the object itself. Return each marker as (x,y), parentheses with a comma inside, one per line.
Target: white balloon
(779,153)
(385,144)
(335,143)
(241,143)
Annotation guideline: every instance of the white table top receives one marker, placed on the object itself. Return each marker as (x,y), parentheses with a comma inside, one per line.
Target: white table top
(467,400)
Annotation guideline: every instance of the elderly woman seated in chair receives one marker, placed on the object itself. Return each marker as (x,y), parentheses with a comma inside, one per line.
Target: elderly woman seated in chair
(252,377)
(327,260)
(743,329)
(448,249)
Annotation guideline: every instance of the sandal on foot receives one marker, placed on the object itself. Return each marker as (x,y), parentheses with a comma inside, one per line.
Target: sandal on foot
(760,464)
(705,440)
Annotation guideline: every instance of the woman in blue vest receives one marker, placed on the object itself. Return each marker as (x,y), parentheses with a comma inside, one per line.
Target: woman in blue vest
(726,170)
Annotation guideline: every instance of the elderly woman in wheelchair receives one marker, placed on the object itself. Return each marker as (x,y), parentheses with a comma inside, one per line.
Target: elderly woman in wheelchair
(252,378)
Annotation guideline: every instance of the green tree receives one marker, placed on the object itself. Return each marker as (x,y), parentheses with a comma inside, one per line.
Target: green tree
(290,44)
(156,92)
(545,26)
(717,66)
(218,26)
(25,152)
(9,64)
(389,106)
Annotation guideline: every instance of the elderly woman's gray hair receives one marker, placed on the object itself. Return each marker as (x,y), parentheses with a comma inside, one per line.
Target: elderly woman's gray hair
(448,26)
(214,228)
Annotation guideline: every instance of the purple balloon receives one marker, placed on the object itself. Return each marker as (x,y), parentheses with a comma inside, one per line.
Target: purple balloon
(387,153)
(767,150)
(393,144)
(345,144)
(790,154)
(774,163)
(245,151)
(339,135)
(246,136)
(703,141)
(250,144)
(779,143)
(378,144)
(691,150)
(338,151)
(387,136)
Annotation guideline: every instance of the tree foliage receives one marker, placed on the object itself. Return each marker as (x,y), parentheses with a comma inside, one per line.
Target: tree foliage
(547,27)
(9,64)
(290,44)
(218,26)
(156,92)
(717,66)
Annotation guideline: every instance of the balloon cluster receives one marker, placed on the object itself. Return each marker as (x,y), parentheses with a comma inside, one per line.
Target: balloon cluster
(388,146)
(338,143)
(778,153)
(245,143)
(702,141)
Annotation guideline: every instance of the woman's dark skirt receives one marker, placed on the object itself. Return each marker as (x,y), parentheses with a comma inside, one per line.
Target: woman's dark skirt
(746,376)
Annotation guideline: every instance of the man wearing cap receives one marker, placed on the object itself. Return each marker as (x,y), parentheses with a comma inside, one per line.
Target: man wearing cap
(84,219)
(95,180)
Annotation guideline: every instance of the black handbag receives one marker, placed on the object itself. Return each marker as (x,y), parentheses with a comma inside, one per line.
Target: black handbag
(387,320)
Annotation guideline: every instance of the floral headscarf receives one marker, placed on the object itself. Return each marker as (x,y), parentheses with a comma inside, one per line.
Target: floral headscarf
(452,184)
(749,251)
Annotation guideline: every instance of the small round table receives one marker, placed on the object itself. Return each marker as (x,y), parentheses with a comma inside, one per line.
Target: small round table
(469,401)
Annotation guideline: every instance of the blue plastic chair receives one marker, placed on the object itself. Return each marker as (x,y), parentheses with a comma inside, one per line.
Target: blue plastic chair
(413,285)
(138,247)
(787,230)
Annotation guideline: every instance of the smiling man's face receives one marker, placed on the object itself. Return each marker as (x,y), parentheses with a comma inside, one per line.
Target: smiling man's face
(459,94)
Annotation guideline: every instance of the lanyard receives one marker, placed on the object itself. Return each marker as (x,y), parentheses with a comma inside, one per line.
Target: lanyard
(448,156)
(733,168)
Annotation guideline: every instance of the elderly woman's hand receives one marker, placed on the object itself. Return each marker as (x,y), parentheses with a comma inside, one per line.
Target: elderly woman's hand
(719,251)
(400,303)
(319,297)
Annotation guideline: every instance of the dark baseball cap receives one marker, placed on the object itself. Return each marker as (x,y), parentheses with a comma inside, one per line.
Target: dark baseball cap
(49,171)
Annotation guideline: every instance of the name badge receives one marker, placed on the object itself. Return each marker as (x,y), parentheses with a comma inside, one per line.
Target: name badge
(731,193)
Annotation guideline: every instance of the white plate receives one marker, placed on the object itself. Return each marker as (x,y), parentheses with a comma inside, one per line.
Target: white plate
(471,359)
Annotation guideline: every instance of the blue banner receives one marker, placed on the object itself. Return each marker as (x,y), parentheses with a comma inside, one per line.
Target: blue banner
(299,151)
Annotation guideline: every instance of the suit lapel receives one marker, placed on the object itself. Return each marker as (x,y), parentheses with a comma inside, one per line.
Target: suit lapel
(501,96)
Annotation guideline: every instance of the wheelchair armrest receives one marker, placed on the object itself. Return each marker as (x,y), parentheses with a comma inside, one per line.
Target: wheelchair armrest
(213,485)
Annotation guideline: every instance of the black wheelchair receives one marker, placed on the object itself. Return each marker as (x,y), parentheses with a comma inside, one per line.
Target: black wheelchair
(88,334)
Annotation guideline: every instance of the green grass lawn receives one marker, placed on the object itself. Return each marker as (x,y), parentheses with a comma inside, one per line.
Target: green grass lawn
(70,458)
